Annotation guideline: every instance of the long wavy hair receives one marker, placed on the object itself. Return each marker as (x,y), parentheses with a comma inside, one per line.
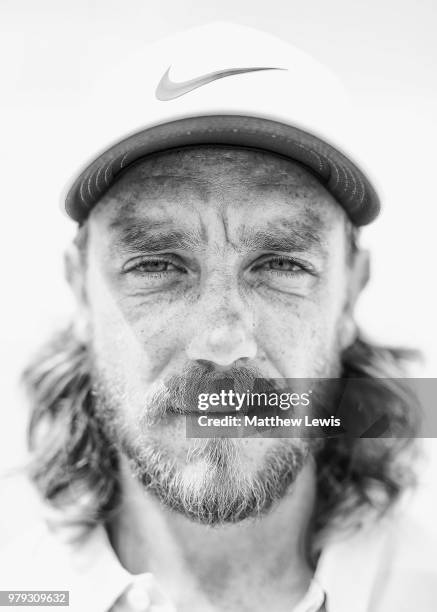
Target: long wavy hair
(75,468)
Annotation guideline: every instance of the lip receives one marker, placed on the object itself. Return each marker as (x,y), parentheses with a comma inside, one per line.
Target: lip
(176,409)
(220,411)
(225,410)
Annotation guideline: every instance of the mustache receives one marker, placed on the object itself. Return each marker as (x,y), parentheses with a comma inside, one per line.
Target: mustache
(180,393)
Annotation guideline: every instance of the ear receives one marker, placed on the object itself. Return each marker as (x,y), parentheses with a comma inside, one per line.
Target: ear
(75,274)
(358,276)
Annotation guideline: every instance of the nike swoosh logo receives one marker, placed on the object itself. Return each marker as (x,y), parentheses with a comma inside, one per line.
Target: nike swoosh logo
(169,90)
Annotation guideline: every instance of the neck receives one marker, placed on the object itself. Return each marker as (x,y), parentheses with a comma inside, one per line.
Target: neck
(249,565)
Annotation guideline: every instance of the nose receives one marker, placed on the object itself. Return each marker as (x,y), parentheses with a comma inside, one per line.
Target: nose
(224,333)
(222,346)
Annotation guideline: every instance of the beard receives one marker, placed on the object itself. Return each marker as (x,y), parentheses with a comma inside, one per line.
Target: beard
(212,481)
(214,487)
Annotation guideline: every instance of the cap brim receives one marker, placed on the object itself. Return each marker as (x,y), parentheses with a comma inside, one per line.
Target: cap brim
(340,176)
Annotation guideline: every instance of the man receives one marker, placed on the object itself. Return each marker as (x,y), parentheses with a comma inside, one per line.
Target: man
(215,246)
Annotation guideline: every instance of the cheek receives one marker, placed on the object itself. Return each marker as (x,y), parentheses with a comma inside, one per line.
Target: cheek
(131,340)
(299,336)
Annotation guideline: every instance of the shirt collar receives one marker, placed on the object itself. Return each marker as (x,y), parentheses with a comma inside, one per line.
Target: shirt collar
(95,576)
(94,564)
(89,568)
(350,565)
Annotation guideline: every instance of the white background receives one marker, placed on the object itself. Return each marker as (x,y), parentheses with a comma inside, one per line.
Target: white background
(385,51)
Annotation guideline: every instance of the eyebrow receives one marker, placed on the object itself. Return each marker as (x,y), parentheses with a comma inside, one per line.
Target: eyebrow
(155,236)
(290,236)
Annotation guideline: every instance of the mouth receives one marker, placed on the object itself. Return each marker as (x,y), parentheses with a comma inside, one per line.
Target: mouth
(221,396)
(218,411)
(221,411)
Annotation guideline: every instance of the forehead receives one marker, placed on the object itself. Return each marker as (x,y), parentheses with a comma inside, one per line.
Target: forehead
(201,185)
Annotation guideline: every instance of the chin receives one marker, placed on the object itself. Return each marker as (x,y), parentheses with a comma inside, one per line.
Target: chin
(219,480)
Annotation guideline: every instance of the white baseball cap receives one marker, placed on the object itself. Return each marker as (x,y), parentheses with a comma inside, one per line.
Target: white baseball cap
(220,84)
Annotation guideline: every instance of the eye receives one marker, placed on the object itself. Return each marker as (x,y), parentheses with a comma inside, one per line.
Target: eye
(282,265)
(153,267)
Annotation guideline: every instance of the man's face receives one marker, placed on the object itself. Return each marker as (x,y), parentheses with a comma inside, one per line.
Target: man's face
(206,263)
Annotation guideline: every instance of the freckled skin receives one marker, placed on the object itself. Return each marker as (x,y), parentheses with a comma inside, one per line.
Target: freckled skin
(220,300)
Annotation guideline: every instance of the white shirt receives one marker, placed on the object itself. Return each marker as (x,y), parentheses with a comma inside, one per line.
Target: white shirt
(386,567)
